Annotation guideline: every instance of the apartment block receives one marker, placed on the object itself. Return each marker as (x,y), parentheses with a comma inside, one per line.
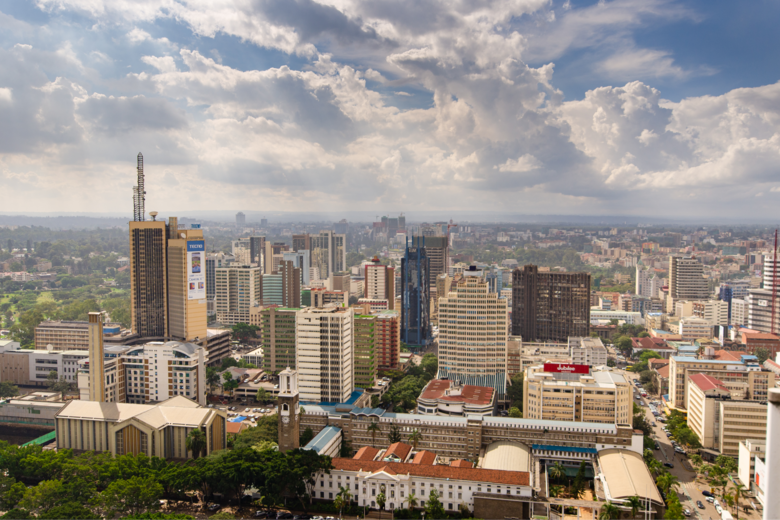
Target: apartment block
(238,289)
(69,335)
(686,280)
(550,306)
(714,312)
(694,328)
(321,297)
(598,397)
(324,356)
(388,340)
(587,351)
(379,282)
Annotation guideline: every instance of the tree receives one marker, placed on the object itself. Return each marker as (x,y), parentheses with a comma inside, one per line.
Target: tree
(556,471)
(556,490)
(762,354)
(411,500)
(60,385)
(8,390)
(212,378)
(262,395)
(610,361)
(70,510)
(635,503)
(11,493)
(625,346)
(244,332)
(394,435)
(430,364)
(134,496)
(196,442)
(373,428)
(267,429)
(674,508)
(45,495)
(609,511)
(667,482)
(433,507)
(515,412)
(728,464)
(578,488)
(380,500)
(415,437)
(229,383)
(23,330)
(223,515)
(344,498)
(739,490)
(346,448)
(306,436)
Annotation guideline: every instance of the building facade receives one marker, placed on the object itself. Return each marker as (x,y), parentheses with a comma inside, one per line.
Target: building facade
(237,290)
(550,306)
(148,278)
(277,336)
(68,335)
(379,282)
(415,295)
(388,340)
(365,337)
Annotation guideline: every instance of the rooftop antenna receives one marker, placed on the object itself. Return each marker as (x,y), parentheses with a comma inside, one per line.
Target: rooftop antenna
(139,195)
(153,214)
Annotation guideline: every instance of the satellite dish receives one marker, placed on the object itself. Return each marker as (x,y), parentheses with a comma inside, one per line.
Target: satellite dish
(153,214)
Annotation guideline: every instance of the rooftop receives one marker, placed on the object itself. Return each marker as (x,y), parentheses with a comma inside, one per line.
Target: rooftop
(625,475)
(437,388)
(508,456)
(705,382)
(515,478)
(322,439)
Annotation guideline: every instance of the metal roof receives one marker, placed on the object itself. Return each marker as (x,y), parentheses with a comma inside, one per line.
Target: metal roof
(508,456)
(322,439)
(569,449)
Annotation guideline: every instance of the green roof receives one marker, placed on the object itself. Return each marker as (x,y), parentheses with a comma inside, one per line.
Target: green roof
(43,439)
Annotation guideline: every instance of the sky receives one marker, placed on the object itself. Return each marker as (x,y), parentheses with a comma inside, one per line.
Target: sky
(621,107)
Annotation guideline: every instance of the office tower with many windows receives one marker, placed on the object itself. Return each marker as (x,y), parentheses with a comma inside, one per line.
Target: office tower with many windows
(324,354)
(149,278)
(550,306)
(240,219)
(388,340)
(273,255)
(415,294)
(291,284)
(300,259)
(686,280)
(365,350)
(379,282)
(237,290)
(273,289)
(186,283)
(473,334)
(277,336)
(328,253)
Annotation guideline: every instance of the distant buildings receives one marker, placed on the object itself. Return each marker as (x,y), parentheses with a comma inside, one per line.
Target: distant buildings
(380,282)
(550,306)
(277,336)
(240,219)
(686,280)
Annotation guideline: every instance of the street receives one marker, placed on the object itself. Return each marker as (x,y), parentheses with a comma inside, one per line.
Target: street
(690,489)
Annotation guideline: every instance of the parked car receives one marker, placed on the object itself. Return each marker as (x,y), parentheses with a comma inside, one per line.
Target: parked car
(214,507)
(710,499)
(707,493)
(668,464)
(261,514)
(699,504)
(657,446)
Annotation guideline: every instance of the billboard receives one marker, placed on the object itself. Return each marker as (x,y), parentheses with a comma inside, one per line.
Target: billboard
(196,270)
(566,368)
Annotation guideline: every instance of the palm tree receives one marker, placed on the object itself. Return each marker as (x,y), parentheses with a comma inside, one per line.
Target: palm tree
(412,501)
(667,482)
(555,491)
(374,429)
(196,442)
(635,503)
(609,511)
(415,437)
(739,489)
(556,471)
(343,498)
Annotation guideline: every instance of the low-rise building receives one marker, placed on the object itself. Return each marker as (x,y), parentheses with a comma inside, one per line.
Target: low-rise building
(641,345)
(158,430)
(69,335)
(749,449)
(445,397)
(587,351)
(31,367)
(254,357)
(573,393)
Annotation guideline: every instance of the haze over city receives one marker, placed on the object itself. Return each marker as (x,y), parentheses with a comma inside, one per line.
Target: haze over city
(645,108)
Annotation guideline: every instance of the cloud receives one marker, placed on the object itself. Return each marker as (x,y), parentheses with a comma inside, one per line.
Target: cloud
(5,95)
(525,163)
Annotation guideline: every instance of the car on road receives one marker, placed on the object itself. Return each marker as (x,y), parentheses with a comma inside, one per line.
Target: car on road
(261,514)
(668,464)
(657,446)
(699,504)
(687,512)
(710,500)
(214,507)
(707,493)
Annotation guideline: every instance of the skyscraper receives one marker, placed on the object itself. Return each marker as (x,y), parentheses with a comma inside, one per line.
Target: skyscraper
(300,259)
(237,290)
(291,284)
(365,350)
(328,253)
(149,278)
(380,282)
(97,376)
(550,306)
(277,336)
(240,219)
(415,294)
(686,279)
(187,316)
(473,344)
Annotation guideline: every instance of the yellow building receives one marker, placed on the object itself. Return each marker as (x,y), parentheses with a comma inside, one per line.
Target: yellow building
(601,396)
(186,284)
(155,430)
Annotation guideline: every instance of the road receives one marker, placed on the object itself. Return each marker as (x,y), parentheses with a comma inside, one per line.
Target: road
(690,490)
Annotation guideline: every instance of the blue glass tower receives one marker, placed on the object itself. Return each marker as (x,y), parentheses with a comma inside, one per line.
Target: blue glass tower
(415,294)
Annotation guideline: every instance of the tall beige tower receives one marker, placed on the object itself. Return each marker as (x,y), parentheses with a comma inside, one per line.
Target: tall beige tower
(186,283)
(97,376)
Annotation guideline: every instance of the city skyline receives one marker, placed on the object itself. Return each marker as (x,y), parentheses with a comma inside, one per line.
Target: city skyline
(582,108)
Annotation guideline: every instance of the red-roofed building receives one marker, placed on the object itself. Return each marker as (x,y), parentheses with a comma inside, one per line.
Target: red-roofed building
(233,429)
(397,452)
(456,484)
(773,366)
(366,453)
(460,463)
(445,397)
(424,457)
(756,340)
(657,344)
(727,355)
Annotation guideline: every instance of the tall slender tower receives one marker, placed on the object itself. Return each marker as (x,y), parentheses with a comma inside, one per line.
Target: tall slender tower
(97,377)
(289,411)
(139,195)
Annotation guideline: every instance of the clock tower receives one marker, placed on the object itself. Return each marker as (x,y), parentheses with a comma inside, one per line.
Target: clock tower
(289,411)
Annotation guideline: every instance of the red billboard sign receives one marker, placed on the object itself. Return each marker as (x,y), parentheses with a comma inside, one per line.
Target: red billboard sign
(566,368)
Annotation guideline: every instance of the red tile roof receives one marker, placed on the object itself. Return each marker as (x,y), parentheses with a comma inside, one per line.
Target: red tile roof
(424,457)
(725,355)
(515,478)
(460,463)
(366,453)
(399,449)
(469,393)
(235,427)
(649,343)
(746,335)
(705,382)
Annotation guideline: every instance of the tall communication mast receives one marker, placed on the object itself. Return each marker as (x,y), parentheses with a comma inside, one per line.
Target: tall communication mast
(774,285)
(139,195)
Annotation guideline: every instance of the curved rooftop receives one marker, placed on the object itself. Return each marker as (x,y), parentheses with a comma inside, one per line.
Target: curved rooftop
(625,474)
(507,456)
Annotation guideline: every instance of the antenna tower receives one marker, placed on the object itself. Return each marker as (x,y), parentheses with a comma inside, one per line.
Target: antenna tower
(774,285)
(139,195)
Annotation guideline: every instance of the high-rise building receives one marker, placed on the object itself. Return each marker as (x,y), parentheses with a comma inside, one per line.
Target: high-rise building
(550,306)
(328,253)
(291,284)
(437,251)
(443,286)
(321,297)
(415,294)
(238,288)
(300,259)
(277,336)
(340,227)
(274,253)
(240,219)
(365,337)
(97,375)
(263,222)
(643,285)
(301,242)
(686,279)
(324,354)
(340,282)
(473,334)
(149,278)
(388,340)
(273,289)
(379,282)
(186,283)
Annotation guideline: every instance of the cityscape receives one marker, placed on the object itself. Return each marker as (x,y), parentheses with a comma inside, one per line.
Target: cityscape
(306,260)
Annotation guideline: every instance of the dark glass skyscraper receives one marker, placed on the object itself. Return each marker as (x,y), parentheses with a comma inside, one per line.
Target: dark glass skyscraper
(415,294)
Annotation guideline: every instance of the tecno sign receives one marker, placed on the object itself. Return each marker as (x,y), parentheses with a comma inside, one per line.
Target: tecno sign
(566,368)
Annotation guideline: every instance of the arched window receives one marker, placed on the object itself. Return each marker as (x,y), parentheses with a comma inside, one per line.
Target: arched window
(285,407)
